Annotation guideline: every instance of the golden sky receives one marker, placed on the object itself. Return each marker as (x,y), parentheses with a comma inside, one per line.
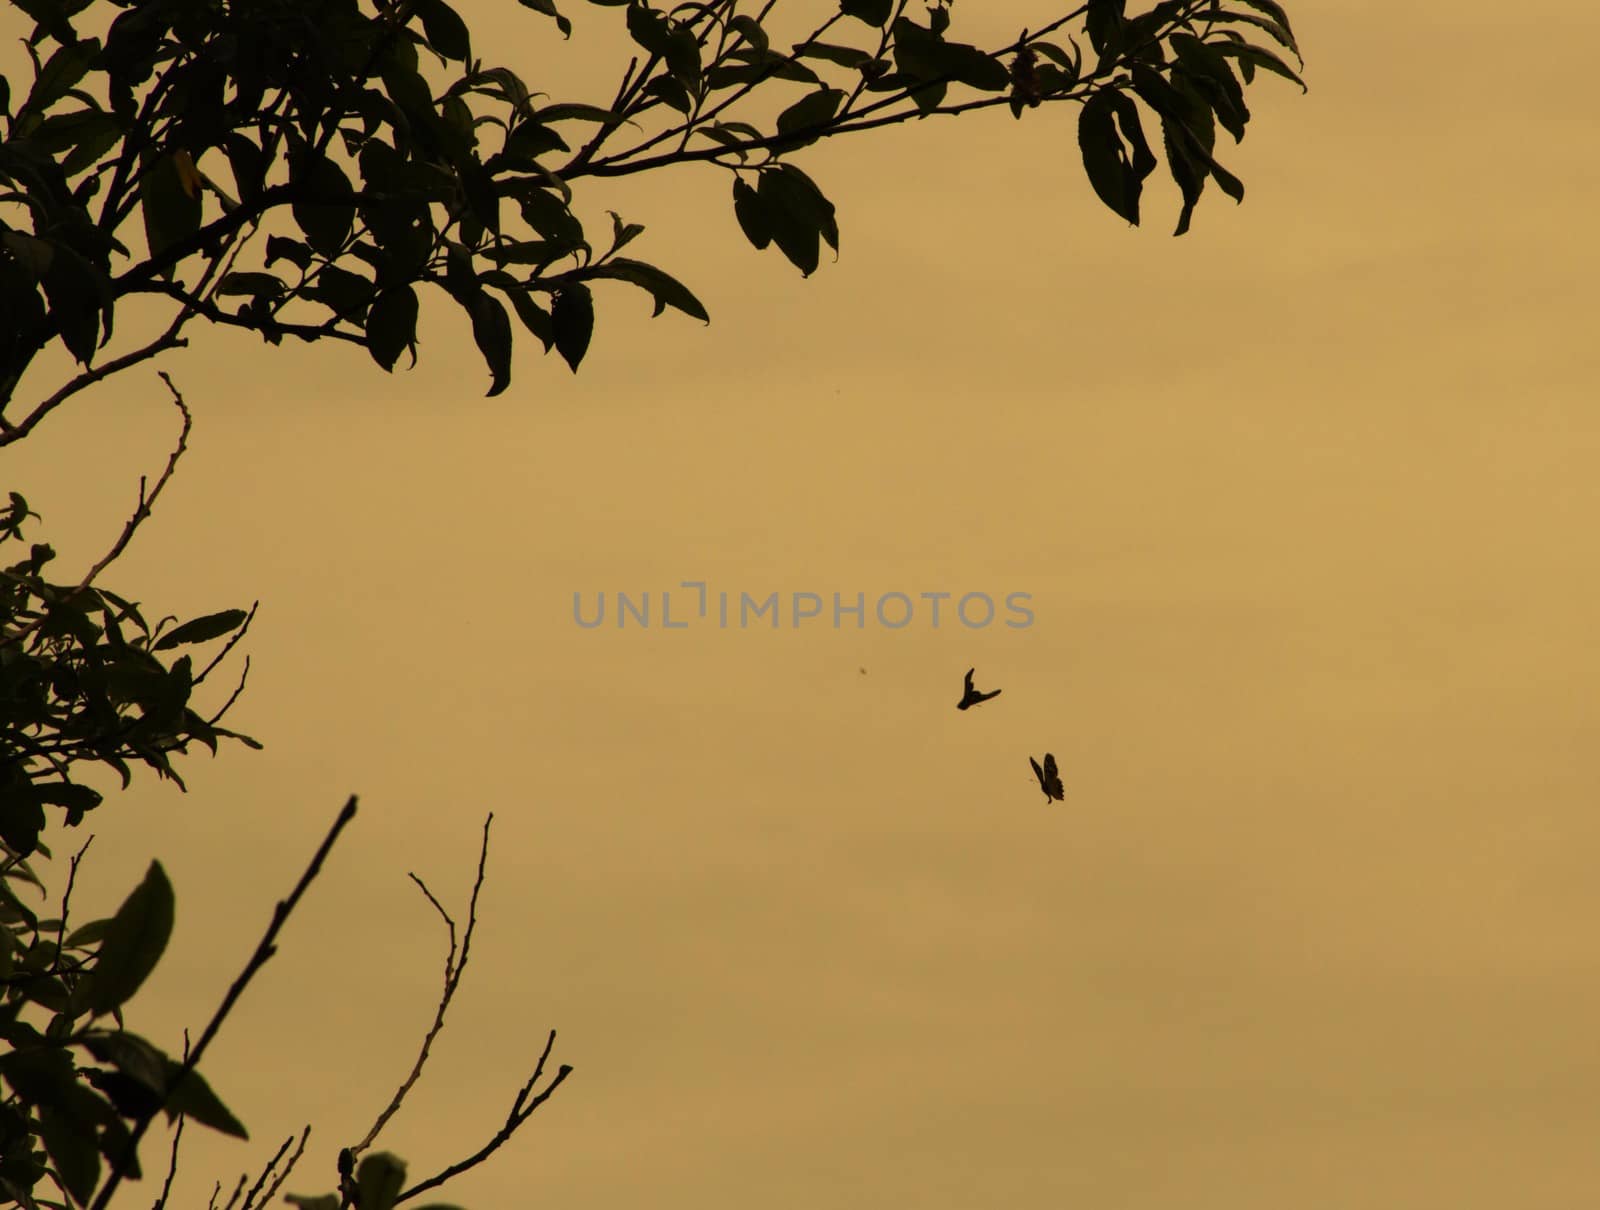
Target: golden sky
(1305,503)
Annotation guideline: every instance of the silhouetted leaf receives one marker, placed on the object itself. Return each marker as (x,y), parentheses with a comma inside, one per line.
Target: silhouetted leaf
(88,934)
(21,819)
(392,325)
(671,92)
(73,1150)
(60,72)
(572,318)
(534,317)
(750,29)
(548,8)
(77,292)
(324,204)
(171,208)
(623,234)
(80,139)
(791,191)
(252,284)
(751,211)
(662,287)
(379,1178)
(1104,159)
(1251,57)
(491,330)
(200,630)
(844,56)
(192,1097)
(281,247)
(874,12)
(445,30)
(1276,28)
(346,293)
(1210,69)
(67,794)
(1104,25)
(665,38)
(813,109)
(134,943)
(131,1055)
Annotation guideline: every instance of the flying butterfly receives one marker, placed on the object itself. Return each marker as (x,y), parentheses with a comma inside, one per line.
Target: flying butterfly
(1049,779)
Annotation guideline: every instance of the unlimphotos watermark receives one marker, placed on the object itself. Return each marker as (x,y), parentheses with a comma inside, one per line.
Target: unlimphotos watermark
(742,611)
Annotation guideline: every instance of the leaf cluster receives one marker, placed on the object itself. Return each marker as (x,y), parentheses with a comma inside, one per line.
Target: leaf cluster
(86,680)
(305,167)
(75,1093)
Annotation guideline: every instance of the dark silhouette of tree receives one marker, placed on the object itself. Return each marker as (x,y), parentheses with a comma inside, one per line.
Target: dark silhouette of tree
(302,168)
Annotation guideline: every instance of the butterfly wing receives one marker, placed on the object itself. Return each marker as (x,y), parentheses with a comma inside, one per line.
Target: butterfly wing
(1037,772)
(1052,780)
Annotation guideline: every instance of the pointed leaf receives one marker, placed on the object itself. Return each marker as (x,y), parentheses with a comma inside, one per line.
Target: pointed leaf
(171,212)
(379,1178)
(1104,159)
(392,326)
(665,289)
(324,204)
(192,1097)
(813,109)
(874,12)
(572,318)
(751,211)
(201,629)
(134,943)
(491,329)
(445,30)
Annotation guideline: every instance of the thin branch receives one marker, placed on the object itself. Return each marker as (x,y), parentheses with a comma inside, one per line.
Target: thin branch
(66,900)
(209,310)
(521,1110)
(140,513)
(172,1166)
(453,971)
(250,1198)
(238,1188)
(167,340)
(232,697)
(264,951)
(294,1159)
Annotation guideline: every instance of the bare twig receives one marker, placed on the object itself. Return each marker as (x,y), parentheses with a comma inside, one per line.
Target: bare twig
(272,1190)
(229,645)
(453,971)
(250,1198)
(264,951)
(167,340)
(140,512)
(66,900)
(172,1167)
(521,1110)
(238,1188)
(232,697)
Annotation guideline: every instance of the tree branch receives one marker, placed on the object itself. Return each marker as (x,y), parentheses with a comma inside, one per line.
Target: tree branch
(452,979)
(521,1110)
(263,952)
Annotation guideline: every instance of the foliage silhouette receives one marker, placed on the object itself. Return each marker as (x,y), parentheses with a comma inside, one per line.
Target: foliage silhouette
(300,168)
(303,168)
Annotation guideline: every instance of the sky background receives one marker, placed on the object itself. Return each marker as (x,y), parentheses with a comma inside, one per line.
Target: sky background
(1305,501)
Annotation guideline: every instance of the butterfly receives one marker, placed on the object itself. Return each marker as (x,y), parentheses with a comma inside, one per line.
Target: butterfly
(1049,779)
(970,696)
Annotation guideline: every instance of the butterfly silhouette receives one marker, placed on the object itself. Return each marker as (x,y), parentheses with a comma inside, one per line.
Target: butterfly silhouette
(970,696)
(1049,779)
